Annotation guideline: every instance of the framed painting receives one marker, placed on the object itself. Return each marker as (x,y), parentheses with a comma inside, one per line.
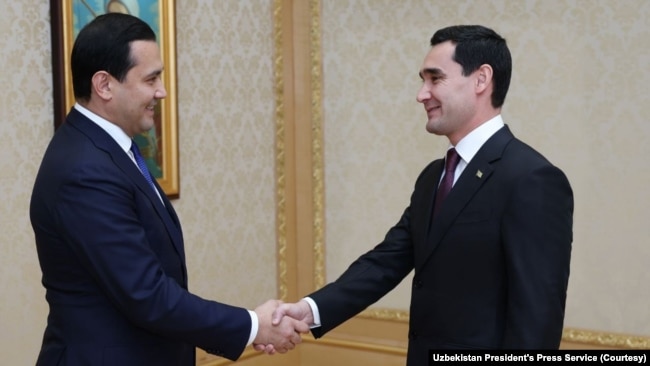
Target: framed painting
(159,146)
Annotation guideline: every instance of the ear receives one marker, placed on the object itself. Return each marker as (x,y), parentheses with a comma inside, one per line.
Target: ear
(101,85)
(483,77)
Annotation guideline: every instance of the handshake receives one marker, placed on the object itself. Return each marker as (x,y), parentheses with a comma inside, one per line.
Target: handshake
(281,325)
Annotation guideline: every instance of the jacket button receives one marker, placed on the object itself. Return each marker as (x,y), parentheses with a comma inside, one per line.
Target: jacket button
(417,284)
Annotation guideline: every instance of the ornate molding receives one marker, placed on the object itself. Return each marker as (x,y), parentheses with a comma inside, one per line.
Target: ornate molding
(386,314)
(604,339)
(280,151)
(317,144)
(361,346)
(572,335)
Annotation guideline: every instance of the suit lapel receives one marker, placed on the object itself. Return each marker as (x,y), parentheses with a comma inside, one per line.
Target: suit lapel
(167,213)
(105,142)
(430,184)
(476,173)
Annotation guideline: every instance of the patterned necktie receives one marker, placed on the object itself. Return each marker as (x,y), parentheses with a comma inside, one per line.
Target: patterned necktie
(142,165)
(448,180)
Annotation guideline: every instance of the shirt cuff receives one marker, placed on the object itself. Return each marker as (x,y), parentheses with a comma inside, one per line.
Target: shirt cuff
(255,325)
(314,312)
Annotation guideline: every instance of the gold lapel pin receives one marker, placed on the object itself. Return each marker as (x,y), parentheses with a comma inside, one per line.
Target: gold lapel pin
(479,174)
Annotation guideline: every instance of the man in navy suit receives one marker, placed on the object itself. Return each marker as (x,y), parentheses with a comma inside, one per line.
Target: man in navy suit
(492,263)
(109,243)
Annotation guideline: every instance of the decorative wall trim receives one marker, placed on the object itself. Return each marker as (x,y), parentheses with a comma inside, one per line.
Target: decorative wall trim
(361,346)
(317,145)
(605,339)
(572,335)
(386,314)
(205,359)
(280,151)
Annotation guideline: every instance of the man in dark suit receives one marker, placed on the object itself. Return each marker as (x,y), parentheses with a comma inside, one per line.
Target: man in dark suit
(109,243)
(491,259)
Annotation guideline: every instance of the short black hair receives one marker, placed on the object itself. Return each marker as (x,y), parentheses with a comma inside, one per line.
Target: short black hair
(477,45)
(105,44)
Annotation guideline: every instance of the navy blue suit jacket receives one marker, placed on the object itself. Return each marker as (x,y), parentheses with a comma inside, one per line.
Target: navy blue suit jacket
(491,270)
(113,263)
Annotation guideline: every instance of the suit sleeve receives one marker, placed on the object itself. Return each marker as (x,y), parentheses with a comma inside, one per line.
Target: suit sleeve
(367,279)
(537,229)
(109,225)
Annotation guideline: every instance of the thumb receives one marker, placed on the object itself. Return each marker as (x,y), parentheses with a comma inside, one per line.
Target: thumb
(278,314)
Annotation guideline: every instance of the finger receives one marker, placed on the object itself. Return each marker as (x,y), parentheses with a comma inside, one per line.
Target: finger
(295,338)
(301,327)
(268,349)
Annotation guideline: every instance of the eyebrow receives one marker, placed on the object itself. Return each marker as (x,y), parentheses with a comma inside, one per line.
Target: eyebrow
(436,72)
(154,73)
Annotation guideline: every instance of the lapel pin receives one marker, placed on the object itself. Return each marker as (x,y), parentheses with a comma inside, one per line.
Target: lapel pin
(479,174)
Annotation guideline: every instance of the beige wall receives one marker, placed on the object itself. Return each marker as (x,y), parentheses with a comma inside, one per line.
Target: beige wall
(579,95)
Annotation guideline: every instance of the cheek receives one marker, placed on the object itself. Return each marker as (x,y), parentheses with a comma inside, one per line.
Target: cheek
(461,94)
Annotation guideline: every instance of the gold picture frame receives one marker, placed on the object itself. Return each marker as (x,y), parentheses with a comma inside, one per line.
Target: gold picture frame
(159,146)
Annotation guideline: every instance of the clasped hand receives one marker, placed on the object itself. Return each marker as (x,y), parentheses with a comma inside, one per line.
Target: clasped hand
(281,325)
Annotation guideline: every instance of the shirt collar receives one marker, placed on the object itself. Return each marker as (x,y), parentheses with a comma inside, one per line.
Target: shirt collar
(112,129)
(470,144)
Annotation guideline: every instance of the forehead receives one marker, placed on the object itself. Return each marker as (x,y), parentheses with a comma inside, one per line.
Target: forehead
(439,59)
(146,54)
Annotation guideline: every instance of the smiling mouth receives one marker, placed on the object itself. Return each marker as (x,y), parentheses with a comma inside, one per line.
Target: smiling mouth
(432,109)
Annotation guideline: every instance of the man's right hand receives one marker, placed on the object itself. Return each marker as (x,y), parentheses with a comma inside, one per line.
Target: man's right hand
(280,336)
(299,311)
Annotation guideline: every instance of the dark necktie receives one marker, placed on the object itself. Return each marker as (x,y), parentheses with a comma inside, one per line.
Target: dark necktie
(142,165)
(448,180)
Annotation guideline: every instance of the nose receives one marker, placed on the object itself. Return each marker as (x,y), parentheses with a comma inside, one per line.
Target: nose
(160,93)
(424,94)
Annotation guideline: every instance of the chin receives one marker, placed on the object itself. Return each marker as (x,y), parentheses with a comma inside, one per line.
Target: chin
(147,125)
(433,130)
(431,127)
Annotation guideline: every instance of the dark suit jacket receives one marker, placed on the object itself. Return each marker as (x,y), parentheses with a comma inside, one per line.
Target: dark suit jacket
(113,263)
(491,271)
